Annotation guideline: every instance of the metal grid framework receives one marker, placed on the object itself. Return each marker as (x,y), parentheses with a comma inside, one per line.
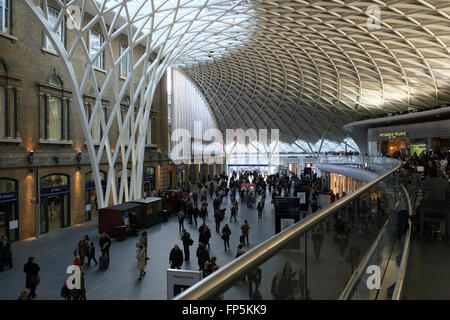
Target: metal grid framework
(306,67)
(170,31)
(312,66)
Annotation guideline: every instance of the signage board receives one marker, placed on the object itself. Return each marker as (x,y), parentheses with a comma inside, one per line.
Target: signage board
(180,280)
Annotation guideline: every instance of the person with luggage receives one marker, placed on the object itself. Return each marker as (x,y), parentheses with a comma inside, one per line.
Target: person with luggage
(245,228)
(241,250)
(31,269)
(226,231)
(176,257)
(141,256)
(105,244)
(180,221)
(187,242)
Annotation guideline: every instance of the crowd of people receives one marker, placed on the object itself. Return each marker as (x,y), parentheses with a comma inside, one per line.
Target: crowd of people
(248,186)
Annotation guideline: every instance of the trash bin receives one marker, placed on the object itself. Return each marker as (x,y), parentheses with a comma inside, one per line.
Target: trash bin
(164,216)
(121,232)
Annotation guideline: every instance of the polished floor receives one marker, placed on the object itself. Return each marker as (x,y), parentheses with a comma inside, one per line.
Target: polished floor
(54,253)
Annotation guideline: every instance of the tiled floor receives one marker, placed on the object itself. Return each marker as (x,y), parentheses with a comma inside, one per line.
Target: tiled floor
(53,252)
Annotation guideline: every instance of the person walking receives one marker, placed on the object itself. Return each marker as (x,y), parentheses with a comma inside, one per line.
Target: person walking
(286,285)
(31,269)
(176,257)
(254,276)
(195,198)
(233,213)
(91,254)
(187,242)
(195,214)
(105,244)
(141,256)
(218,217)
(275,287)
(245,228)
(202,256)
(226,231)
(180,221)
(143,241)
(205,235)
(260,208)
(80,294)
(341,238)
(5,253)
(317,239)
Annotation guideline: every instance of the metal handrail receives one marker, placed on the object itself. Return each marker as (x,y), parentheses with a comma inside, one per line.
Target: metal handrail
(226,276)
(398,290)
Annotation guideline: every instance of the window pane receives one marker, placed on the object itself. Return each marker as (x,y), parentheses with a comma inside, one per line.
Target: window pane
(96,128)
(96,41)
(53,17)
(11,111)
(54,118)
(2,111)
(5,19)
(124,63)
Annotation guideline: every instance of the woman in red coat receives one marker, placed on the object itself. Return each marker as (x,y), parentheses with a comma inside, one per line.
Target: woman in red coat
(332,197)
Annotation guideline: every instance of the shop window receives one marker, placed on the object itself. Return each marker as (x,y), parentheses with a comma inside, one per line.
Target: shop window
(55,202)
(9,216)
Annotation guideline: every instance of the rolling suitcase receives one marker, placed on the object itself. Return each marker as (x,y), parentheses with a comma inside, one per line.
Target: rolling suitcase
(103,263)
(242,239)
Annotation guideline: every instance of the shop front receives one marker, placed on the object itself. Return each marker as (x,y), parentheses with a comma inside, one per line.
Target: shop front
(55,202)
(149,180)
(407,139)
(91,208)
(9,213)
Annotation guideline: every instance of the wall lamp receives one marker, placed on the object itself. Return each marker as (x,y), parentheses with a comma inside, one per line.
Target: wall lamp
(31,157)
(78,159)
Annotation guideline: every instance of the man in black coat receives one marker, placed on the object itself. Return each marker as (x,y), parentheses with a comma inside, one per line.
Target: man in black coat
(202,255)
(5,253)
(31,269)
(176,257)
(105,243)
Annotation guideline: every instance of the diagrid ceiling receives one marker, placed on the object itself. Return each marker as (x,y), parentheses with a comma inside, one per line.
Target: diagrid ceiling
(309,67)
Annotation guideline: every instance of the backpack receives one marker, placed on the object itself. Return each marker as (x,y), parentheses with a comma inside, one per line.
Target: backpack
(244,228)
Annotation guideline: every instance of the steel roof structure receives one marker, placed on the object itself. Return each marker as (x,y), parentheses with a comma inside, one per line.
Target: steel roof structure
(305,67)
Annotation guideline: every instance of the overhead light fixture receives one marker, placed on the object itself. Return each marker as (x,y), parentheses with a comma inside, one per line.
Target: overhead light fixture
(31,157)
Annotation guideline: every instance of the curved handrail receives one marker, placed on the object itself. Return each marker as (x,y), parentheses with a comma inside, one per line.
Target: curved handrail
(398,290)
(226,276)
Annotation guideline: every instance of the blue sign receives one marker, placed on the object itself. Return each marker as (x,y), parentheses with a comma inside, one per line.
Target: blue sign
(8,196)
(50,191)
(90,185)
(149,177)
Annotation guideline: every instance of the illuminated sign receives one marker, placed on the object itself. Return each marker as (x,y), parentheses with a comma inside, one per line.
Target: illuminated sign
(393,134)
